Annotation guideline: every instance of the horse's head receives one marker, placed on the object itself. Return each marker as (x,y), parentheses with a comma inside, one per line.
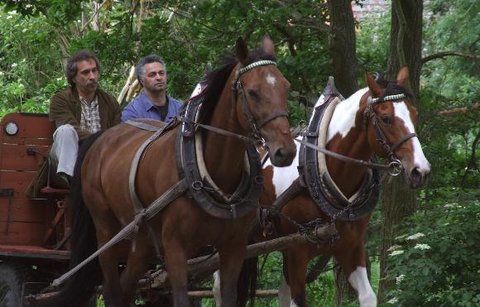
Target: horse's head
(261,94)
(391,118)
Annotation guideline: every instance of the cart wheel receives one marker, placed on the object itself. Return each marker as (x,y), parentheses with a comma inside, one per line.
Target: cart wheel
(11,280)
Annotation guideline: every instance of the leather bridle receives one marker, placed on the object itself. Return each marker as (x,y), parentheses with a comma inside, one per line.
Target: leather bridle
(369,114)
(255,125)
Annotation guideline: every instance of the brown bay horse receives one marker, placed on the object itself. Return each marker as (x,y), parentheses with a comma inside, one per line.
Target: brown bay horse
(377,120)
(243,101)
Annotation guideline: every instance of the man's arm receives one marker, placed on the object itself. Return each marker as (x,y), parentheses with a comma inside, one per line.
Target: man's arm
(129,112)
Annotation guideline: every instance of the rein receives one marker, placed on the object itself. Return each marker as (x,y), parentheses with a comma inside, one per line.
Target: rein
(218,130)
(393,166)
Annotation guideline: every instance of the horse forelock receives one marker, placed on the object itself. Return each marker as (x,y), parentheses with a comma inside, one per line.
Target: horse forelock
(258,55)
(392,88)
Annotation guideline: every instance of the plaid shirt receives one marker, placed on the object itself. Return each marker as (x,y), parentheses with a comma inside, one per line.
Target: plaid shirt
(90,119)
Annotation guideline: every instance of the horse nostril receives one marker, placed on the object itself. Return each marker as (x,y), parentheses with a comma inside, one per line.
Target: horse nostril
(417,178)
(282,157)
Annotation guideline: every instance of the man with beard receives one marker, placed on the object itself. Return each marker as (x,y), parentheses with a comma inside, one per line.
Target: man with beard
(79,111)
(153,102)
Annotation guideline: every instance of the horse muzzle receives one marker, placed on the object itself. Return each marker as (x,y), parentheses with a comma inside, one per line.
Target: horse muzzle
(282,156)
(417,177)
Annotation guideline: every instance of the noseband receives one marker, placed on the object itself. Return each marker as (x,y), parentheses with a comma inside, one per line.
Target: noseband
(369,113)
(255,126)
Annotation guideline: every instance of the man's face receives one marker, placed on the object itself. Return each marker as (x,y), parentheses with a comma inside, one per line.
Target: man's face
(86,79)
(155,79)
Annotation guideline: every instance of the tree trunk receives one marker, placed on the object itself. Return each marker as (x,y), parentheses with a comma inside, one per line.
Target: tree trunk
(406,40)
(344,62)
(398,201)
(343,46)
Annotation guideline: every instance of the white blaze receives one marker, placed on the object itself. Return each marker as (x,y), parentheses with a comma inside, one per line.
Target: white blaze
(421,162)
(271,79)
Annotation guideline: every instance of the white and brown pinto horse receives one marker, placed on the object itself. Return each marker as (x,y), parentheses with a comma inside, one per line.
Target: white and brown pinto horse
(377,120)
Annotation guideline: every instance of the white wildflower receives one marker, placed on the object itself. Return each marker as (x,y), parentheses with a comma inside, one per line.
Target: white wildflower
(422,246)
(397,252)
(415,236)
(399,279)
(393,301)
(393,247)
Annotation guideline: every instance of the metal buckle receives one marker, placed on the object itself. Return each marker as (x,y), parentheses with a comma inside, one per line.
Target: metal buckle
(197,185)
(395,168)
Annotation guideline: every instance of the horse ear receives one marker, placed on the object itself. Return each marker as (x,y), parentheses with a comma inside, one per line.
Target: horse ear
(241,50)
(402,76)
(268,46)
(374,87)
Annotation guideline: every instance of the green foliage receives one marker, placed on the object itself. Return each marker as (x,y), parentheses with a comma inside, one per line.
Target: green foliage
(29,62)
(372,43)
(448,83)
(436,263)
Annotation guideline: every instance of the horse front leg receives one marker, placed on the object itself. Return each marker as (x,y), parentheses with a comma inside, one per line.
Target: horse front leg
(354,265)
(137,264)
(295,262)
(216,288)
(176,262)
(232,254)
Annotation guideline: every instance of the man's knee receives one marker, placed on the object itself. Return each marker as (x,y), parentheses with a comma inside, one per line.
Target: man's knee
(65,131)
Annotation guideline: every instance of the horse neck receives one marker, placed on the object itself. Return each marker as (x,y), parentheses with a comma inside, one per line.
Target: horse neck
(347,136)
(224,155)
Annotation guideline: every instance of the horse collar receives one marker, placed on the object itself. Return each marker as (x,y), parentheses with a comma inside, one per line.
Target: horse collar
(322,189)
(190,165)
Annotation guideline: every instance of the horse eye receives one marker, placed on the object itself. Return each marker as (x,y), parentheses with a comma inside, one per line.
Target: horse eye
(387,120)
(254,95)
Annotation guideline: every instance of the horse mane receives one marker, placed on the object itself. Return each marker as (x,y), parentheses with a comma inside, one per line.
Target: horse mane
(215,80)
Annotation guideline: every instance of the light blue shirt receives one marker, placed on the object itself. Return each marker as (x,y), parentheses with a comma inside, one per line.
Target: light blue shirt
(142,107)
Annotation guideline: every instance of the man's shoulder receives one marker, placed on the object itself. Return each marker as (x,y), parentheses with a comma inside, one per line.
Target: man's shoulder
(62,96)
(65,92)
(106,96)
(139,101)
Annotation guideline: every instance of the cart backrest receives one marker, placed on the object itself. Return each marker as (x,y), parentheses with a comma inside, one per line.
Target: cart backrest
(24,140)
